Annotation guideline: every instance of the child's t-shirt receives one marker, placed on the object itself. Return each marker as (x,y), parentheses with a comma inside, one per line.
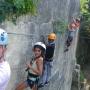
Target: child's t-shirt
(4,74)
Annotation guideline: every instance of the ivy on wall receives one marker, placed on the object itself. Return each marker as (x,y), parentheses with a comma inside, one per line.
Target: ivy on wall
(59,26)
(84,6)
(11,9)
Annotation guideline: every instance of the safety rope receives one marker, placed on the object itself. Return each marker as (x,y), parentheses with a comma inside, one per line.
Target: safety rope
(29,35)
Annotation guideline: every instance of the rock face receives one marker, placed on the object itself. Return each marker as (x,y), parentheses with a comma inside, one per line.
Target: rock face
(30,29)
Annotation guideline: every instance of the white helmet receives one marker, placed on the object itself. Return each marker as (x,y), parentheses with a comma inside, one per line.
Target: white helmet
(78,19)
(3,37)
(41,45)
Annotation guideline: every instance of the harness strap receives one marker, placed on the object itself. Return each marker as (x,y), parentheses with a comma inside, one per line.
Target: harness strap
(32,75)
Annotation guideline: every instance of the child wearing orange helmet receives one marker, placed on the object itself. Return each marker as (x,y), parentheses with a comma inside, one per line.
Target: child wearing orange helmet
(48,62)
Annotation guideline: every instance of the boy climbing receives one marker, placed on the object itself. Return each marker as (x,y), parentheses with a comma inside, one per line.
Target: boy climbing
(50,47)
(72,28)
(34,68)
(4,65)
(77,23)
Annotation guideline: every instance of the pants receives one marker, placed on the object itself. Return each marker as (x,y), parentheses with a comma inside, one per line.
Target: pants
(71,35)
(46,72)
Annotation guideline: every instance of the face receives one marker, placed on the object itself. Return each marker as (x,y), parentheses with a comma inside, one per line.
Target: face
(2,50)
(37,52)
(77,21)
(50,40)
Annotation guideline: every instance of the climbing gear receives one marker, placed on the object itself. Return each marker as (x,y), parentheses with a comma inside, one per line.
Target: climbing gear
(32,79)
(34,66)
(52,36)
(3,37)
(41,45)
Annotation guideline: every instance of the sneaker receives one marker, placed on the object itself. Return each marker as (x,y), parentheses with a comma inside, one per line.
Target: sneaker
(46,83)
(40,85)
(66,50)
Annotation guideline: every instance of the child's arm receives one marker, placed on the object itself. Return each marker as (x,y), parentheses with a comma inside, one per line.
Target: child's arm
(27,65)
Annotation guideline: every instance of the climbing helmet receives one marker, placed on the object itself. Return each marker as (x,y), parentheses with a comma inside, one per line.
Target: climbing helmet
(40,45)
(3,37)
(52,36)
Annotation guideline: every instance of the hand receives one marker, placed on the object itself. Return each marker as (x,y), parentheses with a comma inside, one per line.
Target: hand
(28,66)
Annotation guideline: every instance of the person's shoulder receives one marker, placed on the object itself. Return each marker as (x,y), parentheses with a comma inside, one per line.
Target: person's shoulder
(6,63)
(41,58)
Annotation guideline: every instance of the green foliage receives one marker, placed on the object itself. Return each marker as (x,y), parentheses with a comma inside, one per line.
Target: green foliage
(83,52)
(85,26)
(11,9)
(59,26)
(83,49)
(82,76)
(84,6)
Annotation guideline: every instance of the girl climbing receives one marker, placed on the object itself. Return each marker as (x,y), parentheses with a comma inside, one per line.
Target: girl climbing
(35,68)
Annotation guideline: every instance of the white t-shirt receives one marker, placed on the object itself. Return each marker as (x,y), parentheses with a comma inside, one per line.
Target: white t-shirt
(4,74)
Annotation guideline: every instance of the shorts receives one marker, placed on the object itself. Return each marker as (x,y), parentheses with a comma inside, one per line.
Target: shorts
(32,80)
(30,83)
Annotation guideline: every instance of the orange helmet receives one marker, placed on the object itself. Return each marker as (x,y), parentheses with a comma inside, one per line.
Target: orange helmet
(52,36)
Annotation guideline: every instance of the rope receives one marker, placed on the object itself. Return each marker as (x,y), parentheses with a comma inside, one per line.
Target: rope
(29,35)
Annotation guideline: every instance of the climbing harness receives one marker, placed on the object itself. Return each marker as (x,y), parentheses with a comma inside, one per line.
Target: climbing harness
(32,79)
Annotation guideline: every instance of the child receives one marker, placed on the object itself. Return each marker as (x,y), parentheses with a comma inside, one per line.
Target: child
(35,68)
(50,47)
(71,32)
(77,23)
(4,65)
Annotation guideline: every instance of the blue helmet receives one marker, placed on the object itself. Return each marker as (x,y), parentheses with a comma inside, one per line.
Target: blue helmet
(3,37)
